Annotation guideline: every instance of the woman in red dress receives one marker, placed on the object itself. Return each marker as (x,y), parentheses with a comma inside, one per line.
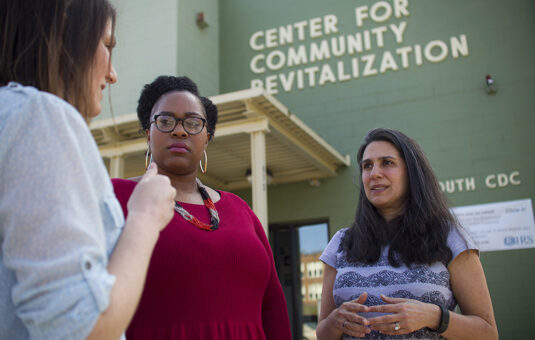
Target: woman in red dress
(212,274)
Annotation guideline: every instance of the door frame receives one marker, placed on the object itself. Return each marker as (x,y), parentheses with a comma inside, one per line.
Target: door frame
(294,302)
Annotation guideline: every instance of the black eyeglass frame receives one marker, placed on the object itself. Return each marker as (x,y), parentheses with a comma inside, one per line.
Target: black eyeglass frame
(181,120)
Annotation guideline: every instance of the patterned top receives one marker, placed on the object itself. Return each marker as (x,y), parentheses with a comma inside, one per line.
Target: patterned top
(59,219)
(430,284)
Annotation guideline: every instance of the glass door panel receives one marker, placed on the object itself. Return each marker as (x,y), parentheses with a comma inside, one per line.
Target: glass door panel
(312,240)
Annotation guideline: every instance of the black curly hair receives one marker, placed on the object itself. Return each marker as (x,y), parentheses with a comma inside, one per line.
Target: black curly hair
(164,84)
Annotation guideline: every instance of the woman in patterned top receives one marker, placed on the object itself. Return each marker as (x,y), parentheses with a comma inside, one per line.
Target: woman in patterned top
(404,264)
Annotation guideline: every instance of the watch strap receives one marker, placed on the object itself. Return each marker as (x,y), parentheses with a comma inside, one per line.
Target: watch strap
(444,319)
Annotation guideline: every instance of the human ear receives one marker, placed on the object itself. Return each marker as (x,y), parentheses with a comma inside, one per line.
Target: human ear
(147,134)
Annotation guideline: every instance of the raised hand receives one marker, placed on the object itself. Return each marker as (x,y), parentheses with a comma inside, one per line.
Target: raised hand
(153,199)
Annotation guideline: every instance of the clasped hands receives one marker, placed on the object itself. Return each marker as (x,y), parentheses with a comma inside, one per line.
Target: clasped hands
(404,316)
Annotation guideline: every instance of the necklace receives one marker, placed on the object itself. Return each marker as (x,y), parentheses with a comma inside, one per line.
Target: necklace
(214,216)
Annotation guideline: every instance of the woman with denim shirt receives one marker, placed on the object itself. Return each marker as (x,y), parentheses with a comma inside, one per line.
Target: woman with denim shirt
(71,267)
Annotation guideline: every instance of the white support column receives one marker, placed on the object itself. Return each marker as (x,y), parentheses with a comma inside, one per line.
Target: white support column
(117,166)
(259,180)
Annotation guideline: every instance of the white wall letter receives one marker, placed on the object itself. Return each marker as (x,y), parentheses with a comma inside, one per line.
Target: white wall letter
(297,58)
(329,24)
(257,84)
(470,184)
(300,26)
(443,51)
(342,76)
(338,47)
(275,54)
(253,41)
(502,180)
(489,181)
(388,63)
(286,35)
(400,8)
(385,16)
(315,27)
(287,82)
(368,68)
(355,67)
(354,43)
(513,178)
(271,84)
(404,53)
(271,38)
(253,65)
(450,186)
(459,182)
(326,75)
(311,71)
(378,31)
(418,54)
(360,14)
(459,46)
(319,53)
(398,31)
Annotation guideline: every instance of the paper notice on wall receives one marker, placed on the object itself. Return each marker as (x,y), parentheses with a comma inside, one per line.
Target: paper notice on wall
(499,226)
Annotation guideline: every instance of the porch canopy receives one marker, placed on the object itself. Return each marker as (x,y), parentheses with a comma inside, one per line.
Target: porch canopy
(257,140)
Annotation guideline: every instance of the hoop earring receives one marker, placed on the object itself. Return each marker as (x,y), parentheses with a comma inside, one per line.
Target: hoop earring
(205,163)
(147,161)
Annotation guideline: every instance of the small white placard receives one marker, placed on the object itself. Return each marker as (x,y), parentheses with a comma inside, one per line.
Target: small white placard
(499,226)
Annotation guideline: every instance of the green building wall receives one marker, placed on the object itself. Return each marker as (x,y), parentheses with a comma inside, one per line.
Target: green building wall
(464,131)
(162,38)
(198,48)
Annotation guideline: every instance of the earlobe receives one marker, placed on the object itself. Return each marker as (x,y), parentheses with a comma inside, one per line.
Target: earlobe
(147,134)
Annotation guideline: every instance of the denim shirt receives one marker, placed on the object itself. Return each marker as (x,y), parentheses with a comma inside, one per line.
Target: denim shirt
(59,219)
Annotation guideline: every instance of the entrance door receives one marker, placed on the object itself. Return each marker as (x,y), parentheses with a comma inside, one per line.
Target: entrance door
(296,249)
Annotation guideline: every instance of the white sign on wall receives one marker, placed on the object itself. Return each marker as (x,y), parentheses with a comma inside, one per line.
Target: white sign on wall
(313,52)
(499,226)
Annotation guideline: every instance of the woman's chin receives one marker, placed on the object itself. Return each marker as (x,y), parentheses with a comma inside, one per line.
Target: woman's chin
(178,169)
(95,113)
(379,203)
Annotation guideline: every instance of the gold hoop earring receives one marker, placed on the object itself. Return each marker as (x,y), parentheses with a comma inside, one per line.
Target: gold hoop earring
(147,161)
(205,163)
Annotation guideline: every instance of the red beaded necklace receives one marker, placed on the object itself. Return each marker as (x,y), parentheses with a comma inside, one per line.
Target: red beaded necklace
(214,216)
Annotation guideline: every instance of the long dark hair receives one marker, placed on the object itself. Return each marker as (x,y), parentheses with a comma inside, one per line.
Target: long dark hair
(52,45)
(419,235)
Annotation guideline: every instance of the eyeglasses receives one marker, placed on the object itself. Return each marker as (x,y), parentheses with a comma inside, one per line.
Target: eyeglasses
(166,123)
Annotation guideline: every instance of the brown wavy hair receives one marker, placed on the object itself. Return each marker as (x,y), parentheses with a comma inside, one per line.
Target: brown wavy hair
(51,45)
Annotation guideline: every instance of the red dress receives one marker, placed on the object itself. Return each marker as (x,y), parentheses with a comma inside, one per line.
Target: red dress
(217,285)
